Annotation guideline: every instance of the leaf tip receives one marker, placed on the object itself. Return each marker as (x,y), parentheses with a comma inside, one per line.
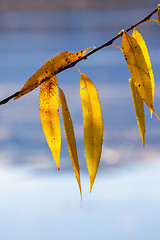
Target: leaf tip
(143,142)
(151,113)
(91,183)
(81,197)
(153,110)
(57,161)
(57,165)
(80,189)
(156,115)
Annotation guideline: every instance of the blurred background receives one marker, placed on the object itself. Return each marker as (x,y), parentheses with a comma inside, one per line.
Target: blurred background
(37,202)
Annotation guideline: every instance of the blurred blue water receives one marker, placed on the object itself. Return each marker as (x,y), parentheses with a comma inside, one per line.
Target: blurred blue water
(27,40)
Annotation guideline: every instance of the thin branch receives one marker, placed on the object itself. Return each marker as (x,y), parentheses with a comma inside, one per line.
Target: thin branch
(9,98)
(108,43)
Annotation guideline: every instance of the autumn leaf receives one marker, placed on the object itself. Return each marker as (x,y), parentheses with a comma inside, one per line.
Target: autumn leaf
(139,110)
(70,136)
(137,65)
(143,47)
(49,69)
(159,13)
(48,106)
(93,125)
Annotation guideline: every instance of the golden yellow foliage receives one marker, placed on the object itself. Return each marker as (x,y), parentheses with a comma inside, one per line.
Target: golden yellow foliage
(93,125)
(137,65)
(144,49)
(49,114)
(68,125)
(142,89)
(139,110)
(49,69)
(159,13)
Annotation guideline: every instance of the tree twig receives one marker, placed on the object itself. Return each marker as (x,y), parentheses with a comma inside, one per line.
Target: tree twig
(108,43)
(9,98)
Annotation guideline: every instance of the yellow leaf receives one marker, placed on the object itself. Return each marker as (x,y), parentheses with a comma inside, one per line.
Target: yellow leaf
(49,114)
(138,68)
(49,69)
(143,47)
(139,110)
(70,137)
(159,13)
(93,125)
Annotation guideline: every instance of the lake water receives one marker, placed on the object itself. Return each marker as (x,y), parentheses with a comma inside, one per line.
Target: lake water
(38,202)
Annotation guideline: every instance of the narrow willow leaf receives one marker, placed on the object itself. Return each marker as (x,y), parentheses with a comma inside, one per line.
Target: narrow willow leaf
(49,114)
(143,47)
(49,69)
(139,70)
(70,137)
(159,13)
(139,110)
(93,125)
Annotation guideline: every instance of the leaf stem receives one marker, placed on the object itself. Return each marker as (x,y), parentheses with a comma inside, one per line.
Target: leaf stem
(153,20)
(96,49)
(112,45)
